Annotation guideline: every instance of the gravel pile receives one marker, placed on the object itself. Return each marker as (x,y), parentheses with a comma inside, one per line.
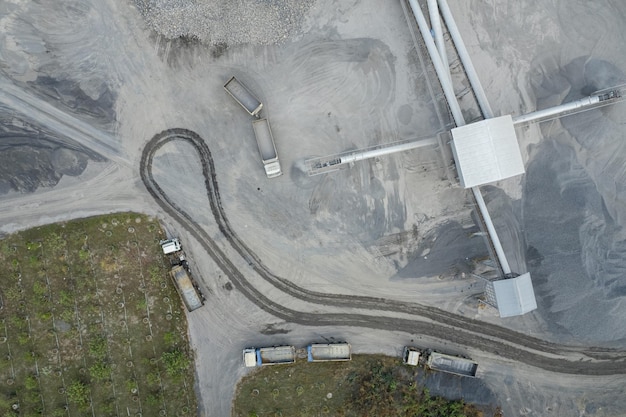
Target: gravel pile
(230,22)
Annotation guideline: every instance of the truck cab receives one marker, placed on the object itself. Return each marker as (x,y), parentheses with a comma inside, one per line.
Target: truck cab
(273,170)
(411,356)
(170,246)
(249,357)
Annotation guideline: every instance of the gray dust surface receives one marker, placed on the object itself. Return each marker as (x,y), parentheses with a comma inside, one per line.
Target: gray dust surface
(47,57)
(449,249)
(33,157)
(574,206)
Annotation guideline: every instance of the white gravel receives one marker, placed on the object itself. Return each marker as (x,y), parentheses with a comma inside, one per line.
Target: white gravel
(230,22)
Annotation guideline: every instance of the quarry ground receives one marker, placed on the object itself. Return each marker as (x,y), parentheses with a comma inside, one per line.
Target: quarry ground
(85,85)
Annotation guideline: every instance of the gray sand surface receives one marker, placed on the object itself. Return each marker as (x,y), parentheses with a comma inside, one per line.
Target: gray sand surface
(84,85)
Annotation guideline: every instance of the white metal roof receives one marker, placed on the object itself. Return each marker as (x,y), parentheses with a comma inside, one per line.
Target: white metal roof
(486,151)
(515,296)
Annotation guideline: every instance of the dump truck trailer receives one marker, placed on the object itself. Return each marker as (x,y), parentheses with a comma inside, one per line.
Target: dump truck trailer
(243,96)
(323,352)
(269,355)
(267,147)
(451,364)
(188,291)
(185,288)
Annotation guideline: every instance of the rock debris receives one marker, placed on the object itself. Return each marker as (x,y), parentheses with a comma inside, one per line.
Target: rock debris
(230,22)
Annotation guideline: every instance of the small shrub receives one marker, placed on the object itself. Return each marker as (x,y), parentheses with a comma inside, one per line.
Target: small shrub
(30,383)
(6,249)
(45,316)
(78,393)
(153,378)
(23,339)
(100,371)
(176,362)
(39,289)
(83,254)
(107,407)
(152,399)
(67,315)
(169,338)
(155,275)
(32,245)
(131,385)
(13,293)
(142,305)
(18,322)
(66,299)
(29,357)
(98,347)
(33,261)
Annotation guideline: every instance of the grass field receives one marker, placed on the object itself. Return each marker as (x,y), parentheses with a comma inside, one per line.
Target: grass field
(369,385)
(91,324)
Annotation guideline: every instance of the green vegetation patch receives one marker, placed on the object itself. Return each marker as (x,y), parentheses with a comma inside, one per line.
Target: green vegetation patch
(90,323)
(369,385)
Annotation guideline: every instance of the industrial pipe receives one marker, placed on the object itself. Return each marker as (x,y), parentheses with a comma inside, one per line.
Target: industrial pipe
(472,76)
(359,156)
(557,110)
(506,269)
(446,84)
(435,23)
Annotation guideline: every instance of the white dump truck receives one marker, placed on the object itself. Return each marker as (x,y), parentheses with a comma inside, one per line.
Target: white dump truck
(451,364)
(324,352)
(269,356)
(411,356)
(186,288)
(267,148)
(243,96)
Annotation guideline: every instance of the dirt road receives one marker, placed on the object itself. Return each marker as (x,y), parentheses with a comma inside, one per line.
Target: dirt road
(427,320)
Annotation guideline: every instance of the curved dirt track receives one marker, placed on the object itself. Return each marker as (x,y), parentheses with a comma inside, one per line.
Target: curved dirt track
(428,320)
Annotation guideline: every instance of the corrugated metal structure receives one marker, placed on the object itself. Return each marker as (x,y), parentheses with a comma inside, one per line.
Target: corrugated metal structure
(514,296)
(486,151)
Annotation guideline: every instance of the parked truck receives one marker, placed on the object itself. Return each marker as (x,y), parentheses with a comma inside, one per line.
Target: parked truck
(324,352)
(185,286)
(451,364)
(267,148)
(269,356)
(243,96)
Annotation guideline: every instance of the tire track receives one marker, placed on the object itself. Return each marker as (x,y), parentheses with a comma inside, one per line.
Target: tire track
(447,326)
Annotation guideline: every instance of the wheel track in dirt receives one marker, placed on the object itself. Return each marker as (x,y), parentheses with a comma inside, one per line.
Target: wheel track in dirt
(440,324)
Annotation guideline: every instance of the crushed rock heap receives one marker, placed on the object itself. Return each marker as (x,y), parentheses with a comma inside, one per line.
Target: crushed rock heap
(230,22)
